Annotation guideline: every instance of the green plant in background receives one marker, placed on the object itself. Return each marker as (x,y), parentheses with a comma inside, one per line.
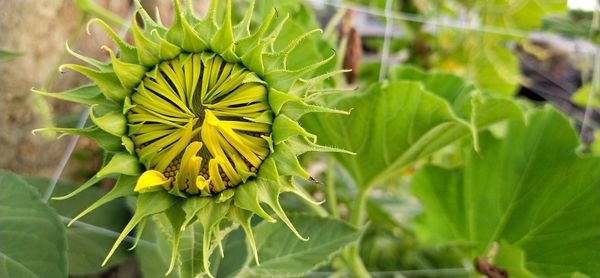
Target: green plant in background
(485,57)
(472,38)
(540,203)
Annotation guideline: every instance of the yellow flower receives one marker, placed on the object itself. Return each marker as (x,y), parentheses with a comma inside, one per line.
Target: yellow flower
(202,125)
(200,118)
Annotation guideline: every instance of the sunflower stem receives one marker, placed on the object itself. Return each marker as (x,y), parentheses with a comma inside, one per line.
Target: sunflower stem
(352,255)
(91,8)
(335,20)
(359,207)
(331,196)
(354,263)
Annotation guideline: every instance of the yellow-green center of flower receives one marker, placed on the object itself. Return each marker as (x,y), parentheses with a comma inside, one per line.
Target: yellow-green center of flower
(200,125)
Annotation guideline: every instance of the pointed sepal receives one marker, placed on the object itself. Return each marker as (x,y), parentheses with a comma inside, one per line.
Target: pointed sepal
(184,35)
(148,50)
(269,189)
(210,217)
(108,82)
(123,187)
(287,162)
(246,44)
(114,122)
(147,204)
(223,42)
(129,74)
(284,79)
(294,107)
(301,145)
(246,197)
(104,139)
(120,163)
(88,94)
(101,66)
(284,128)
(127,52)
(89,183)
(243,218)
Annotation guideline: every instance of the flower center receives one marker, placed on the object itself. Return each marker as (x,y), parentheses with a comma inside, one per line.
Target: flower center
(200,125)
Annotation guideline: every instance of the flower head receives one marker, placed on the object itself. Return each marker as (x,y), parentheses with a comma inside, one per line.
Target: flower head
(200,119)
(203,125)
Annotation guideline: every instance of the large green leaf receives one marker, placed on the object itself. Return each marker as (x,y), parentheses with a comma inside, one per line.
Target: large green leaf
(282,254)
(32,241)
(393,125)
(88,245)
(389,127)
(530,191)
(495,68)
(190,250)
(479,109)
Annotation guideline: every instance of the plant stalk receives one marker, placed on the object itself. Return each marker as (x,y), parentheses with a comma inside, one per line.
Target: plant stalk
(355,263)
(359,207)
(331,196)
(352,255)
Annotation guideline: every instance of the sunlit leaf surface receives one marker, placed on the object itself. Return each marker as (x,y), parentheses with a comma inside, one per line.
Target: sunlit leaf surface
(393,125)
(530,190)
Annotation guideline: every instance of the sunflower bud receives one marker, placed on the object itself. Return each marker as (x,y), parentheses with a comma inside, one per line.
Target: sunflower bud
(200,119)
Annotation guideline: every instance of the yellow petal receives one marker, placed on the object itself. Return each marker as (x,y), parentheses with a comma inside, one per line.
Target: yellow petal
(190,151)
(177,147)
(151,180)
(190,167)
(213,170)
(202,183)
(227,132)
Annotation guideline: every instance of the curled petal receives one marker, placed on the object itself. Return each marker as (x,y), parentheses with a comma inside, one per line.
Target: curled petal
(151,180)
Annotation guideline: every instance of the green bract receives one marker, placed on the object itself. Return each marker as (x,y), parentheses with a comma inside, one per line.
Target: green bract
(200,118)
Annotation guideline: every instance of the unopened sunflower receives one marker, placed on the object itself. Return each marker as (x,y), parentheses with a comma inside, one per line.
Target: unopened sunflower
(200,119)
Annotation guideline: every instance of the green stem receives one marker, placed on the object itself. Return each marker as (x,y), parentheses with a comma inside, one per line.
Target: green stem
(331,196)
(90,7)
(335,20)
(352,256)
(359,207)
(354,263)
